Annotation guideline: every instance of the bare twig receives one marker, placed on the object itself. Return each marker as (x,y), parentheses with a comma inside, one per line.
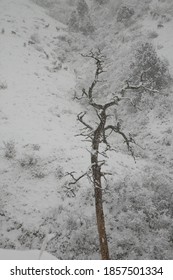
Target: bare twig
(116,129)
(75,179)
(80,118)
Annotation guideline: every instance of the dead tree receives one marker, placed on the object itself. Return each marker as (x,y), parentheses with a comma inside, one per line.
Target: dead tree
(99,133)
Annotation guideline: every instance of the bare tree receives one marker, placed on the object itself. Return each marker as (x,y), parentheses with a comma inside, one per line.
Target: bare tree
(99,133)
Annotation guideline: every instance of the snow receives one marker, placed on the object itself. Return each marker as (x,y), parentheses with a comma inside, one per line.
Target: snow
(36,109)
(29,100)
(6,254)
(38,113)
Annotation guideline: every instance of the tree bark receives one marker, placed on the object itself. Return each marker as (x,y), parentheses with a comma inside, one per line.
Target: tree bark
(96,173)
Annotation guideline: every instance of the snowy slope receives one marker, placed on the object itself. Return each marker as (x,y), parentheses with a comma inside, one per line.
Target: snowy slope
(36,112)
(35,98)
(24,255)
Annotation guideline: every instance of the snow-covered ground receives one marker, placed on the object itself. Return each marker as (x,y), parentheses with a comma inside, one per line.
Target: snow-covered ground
(6,254)
(37,112)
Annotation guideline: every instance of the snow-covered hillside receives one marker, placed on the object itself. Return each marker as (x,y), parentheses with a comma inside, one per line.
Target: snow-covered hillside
(38,143)
(37,114)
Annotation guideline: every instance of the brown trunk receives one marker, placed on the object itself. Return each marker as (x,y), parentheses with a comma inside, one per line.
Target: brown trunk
(100,214)
(96,172)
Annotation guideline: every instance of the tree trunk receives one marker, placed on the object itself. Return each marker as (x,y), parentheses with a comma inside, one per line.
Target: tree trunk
(100,214)
(96,173)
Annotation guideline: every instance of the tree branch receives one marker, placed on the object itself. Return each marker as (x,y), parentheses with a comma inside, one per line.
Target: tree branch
(75,179)
(80,118)
(116,129)
(141,85)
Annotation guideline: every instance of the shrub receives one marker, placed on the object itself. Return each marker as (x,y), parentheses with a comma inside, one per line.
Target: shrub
(80,20)
(36,147)
(3,86)
(28,160)
(101,2)
(31,238)
(141,223)
(45,3)
(73,22)
(59,173)
(87,28)
(9,149)
(124,14)
(82,8)
(155,70)
(82,25)
(77,239)
(38,172)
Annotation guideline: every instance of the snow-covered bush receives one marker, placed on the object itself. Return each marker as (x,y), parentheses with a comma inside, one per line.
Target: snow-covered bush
(87,28)
(76,235)
(45,3)
(59,173)
(101,2)
(82,8)
(31,238)
(155,70)
(140,217)
(28,160)
(73,22)
(9,149)
(3,85)
(36,147)
(83,25)
(124,14)
(162,10)
(60,10)
(38,172)
(80,20)
(33,162)
(65,38)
